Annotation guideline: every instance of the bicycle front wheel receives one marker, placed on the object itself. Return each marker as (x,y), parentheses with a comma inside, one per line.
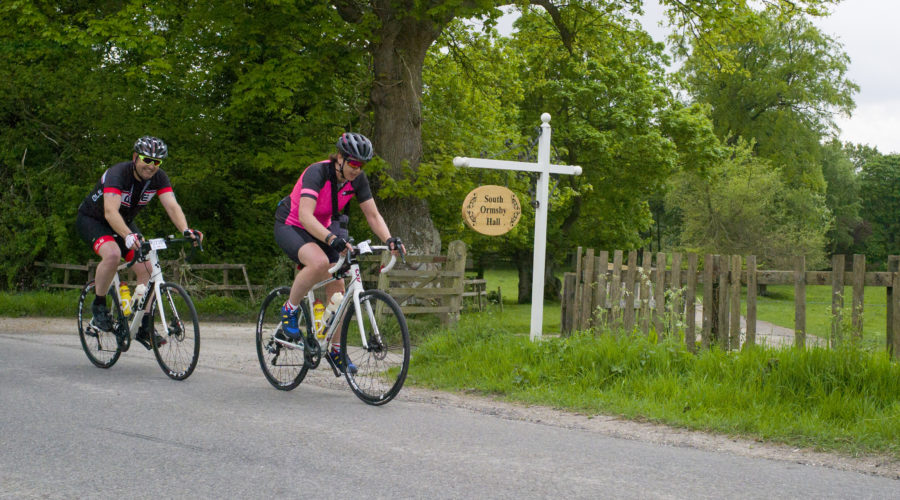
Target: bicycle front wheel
(282,362)
(178,355)
(101,347)
(380,350)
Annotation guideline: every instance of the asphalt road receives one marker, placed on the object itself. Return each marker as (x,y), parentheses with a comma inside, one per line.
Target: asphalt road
(68,429)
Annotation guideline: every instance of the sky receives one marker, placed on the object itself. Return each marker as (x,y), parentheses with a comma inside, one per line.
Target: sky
(868,31)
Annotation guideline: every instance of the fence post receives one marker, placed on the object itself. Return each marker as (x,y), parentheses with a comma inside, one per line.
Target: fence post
(859,290)
(708,301)
(629,291)
(690,300)
(600,294)
(644,287)
(456,261)
(575,308)
(587,292)
(568,301)
(659,295)
(675,306)
(800,301)
(893,308)
(751,301)
(247,280)
(837,298)
(722,333)
(615,291)
(735,326)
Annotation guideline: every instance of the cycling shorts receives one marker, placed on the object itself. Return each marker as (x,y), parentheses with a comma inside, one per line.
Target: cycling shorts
(291,238)
(96,232)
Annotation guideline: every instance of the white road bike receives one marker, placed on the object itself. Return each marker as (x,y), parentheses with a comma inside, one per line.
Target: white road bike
(173,312)
(373,335)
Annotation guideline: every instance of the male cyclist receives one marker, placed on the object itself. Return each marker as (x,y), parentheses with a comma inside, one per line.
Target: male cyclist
(306,229)
(106,221)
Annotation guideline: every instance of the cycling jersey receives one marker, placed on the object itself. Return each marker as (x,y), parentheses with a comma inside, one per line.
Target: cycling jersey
(315,182)
(119,179)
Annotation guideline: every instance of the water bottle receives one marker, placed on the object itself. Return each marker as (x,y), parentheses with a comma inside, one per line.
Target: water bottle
(125,298)
(319,322)
(333,306)
(139,292)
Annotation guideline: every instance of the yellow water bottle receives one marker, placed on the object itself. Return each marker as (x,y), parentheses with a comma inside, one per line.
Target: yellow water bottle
(125,298)
(318,312)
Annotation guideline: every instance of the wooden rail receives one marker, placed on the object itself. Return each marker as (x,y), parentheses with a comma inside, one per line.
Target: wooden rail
(632,297)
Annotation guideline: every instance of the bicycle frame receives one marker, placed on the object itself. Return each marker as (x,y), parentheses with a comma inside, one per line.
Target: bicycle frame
(156,278)
(352,293)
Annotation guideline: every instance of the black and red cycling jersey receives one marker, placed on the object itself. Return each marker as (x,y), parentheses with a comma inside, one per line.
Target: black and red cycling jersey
(315,182)
(120,179)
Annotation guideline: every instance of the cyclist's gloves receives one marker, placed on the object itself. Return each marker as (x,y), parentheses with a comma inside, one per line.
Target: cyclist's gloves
(133,240)
(193,234)
(338,244)
(395,243)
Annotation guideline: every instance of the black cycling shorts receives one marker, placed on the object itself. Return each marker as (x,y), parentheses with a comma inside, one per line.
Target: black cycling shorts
(95,232)
(291,238)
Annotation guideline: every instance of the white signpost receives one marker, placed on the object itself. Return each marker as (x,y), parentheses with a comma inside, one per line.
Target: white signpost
(540,212)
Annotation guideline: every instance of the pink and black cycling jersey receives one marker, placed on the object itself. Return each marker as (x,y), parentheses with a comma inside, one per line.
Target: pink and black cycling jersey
(315,183)
(119,179)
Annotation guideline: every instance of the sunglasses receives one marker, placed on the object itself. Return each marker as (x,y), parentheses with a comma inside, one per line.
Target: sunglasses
(150,161)
(355,163)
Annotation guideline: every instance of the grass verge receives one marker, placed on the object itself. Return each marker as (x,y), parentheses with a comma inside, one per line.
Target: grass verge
(845,400)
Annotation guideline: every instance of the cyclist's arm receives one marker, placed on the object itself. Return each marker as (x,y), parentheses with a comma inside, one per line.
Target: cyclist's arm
(174,210)
(375,220)
(111,204)
(305,210)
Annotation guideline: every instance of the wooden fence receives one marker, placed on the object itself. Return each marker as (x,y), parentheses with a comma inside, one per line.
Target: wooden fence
(172,268)
(429,284)
(663,289)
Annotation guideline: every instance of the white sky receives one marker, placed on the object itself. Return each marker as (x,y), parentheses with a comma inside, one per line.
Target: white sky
(869,33)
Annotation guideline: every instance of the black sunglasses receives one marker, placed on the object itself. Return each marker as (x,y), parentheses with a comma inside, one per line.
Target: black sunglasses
(150,161)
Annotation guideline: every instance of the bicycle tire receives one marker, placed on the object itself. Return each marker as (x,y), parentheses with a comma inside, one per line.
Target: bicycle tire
(178,356)
(101,348)
(284,367)
(383,363)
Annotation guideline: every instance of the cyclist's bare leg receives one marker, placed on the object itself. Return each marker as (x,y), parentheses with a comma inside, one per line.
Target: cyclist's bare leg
(109,260)
(315,269)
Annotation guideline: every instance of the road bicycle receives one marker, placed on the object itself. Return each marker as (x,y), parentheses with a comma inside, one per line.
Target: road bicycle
(173,313)
(373,335)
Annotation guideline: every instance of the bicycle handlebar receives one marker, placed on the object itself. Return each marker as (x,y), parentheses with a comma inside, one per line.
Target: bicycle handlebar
(364,248)
(146,248)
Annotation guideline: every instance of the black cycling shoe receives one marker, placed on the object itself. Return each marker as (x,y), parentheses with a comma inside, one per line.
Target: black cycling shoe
(144,338)
(102,320)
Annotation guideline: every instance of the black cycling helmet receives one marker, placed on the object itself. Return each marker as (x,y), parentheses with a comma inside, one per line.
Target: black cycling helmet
(355,146)
(151,146)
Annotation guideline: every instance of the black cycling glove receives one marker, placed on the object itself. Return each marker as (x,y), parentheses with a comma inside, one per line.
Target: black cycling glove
(394,243)
(338,244)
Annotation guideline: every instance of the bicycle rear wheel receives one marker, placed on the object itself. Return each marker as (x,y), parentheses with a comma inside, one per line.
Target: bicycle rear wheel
(282,362)
(101,347)
(178,356)
(383,361)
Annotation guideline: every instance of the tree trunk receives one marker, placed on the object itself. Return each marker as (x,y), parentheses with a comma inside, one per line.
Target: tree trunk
(398,57)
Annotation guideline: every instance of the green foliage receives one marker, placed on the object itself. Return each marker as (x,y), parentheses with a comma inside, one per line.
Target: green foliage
(841,197)
(880,199)
(742,205)
(789,81)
